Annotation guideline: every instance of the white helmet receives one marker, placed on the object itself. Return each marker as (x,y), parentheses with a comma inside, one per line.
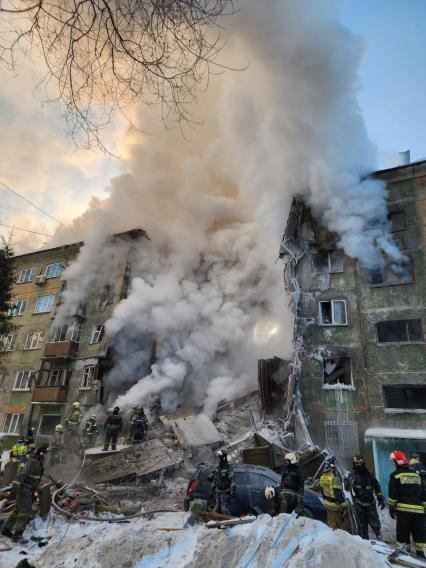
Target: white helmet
(76,404)
(269,492)
(59,428)
(291,457)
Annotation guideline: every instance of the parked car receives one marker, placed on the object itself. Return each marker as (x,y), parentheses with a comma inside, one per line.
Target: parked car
(249,497)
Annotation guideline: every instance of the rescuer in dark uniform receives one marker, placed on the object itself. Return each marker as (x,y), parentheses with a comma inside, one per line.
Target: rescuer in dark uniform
(139,425)
(334,499)
(292,488)
(362,485)
(112,427)
(27,482)
(224,484)
(417,466)
(407,501)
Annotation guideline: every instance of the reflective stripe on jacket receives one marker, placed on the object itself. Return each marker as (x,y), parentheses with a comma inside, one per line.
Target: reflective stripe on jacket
(332,490)
(406,492)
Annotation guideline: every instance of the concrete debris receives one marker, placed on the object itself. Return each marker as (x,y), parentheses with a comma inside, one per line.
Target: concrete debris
(193,430)
(141,462)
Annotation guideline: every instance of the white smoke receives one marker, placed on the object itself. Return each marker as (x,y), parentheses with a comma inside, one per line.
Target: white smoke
(215,207)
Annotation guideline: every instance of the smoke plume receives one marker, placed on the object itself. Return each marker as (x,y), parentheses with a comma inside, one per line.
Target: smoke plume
(206,286)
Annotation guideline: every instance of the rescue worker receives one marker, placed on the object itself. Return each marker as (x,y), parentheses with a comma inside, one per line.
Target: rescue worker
(139,425)
(292,488)
(18,453)
(90,432)
(132,414)
(407,502)
(57,445)
(334,499)
(362,485)
(223,484)
(26,482)
(112,427)
(19,450)
(155,409)
(417,466)
(74,417)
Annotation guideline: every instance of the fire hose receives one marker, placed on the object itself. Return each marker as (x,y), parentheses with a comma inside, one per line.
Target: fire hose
(77,517)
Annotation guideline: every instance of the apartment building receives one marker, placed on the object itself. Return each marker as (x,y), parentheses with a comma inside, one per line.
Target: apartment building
(43,370)
(361,332)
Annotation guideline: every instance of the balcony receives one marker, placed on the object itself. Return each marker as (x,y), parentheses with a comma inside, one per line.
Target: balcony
(60,350)
(49,394)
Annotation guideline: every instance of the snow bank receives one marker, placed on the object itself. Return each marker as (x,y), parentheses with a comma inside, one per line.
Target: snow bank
(168,541)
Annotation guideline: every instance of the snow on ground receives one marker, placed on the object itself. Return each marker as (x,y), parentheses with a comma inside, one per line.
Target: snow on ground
(169,541)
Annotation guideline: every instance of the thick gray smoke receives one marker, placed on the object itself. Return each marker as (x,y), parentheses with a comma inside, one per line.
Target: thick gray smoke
(206,287)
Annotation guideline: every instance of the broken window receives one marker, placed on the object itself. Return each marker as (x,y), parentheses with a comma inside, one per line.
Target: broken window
(106,295)
(399,331)
(337,371)
(397,220)
(97,334)
(17,307)
(33,340)
(333,312)
(393,274)
(89,375)
(68,332)
(6,342)
(329,261)
(405,396)
(58,377)
(48,423)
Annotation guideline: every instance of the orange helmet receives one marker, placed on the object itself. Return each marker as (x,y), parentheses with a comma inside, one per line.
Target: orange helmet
(398,457)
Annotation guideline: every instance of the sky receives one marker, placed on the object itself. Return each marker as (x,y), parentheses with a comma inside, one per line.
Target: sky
(39,161)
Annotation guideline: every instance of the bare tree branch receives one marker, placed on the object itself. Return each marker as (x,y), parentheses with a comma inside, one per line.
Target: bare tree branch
(103,55)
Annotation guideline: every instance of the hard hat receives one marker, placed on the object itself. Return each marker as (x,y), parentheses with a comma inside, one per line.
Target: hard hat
(76,404)
(398,457)
(358,460)
(413,461)
(59,428)
(93,416)
(331,462)
(42,449)
(222,455)
(116,410)
(269,492)
(21,440)
(291,457)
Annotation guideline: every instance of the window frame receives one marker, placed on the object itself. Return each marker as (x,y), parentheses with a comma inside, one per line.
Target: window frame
(39,334)
(333,323)
(61,380)
(396,212)
(402,409)
(70,331)
(48,268)
(17,425)
(329,253)
(384,283)
(334,386)
(8,345)
(31,373)
(37,311)
(31,270)
(90,377)
(100,334)
(40,422)
(3,375)
(408,341)
(22,302)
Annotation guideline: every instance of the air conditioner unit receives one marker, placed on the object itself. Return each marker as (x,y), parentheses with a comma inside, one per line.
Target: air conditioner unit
(40,280)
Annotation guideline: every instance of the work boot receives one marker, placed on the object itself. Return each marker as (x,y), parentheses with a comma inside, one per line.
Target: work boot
(105,449)
(379,536)
(7,533)
(113,448)
(18,538)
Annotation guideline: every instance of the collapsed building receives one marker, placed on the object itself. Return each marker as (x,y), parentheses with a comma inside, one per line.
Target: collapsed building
(359,374)
(44,369)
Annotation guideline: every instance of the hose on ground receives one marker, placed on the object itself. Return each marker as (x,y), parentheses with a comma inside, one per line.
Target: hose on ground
(77,517)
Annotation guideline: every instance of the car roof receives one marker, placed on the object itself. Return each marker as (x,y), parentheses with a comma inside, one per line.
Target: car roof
(246,467)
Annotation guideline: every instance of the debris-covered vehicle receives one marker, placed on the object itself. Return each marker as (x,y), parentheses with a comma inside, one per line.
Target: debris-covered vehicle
(251,481)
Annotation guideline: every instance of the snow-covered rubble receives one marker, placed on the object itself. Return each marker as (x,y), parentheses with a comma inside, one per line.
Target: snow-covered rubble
(169,540)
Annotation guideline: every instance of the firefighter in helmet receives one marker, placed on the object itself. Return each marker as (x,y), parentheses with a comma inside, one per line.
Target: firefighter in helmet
(57,445)
(223,483)
(292,488)
(334,499)
(363,485)
(407,502)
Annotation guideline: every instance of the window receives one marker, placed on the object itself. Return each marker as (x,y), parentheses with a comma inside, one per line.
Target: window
(12,423)
(333,312)
(405,396)
(97,334)
(329,261)
(6,342)
(57,378)
(89,375)
(107,295)
(33,340)
(48,423)
(342,437)
(44,304)
(3,374)
(392,274)
(27,275)
(22,380)
(17,307)
(68,332)
(337,371)
(399,331)
(53,270)
(397,220)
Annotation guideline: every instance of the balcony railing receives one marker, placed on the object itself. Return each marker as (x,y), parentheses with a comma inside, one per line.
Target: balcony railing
(49,394)
(60,350)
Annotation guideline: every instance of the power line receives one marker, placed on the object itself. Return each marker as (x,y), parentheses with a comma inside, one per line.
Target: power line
(33,205)
(26,230)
